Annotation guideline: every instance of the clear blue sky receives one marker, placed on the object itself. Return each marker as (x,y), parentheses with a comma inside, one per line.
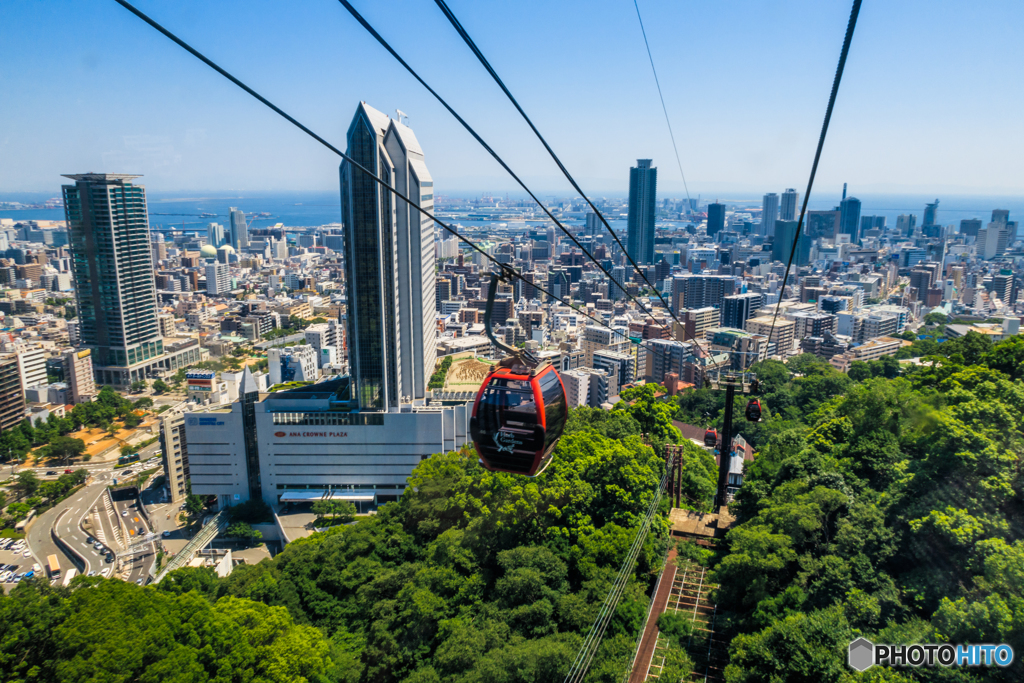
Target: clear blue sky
(931,100)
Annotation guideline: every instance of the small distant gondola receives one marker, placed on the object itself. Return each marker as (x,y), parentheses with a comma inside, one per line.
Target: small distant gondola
(753,410)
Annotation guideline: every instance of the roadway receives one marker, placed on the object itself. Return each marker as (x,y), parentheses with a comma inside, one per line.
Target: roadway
(87,504)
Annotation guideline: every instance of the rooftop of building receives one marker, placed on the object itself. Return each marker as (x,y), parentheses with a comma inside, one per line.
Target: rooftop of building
(101,177)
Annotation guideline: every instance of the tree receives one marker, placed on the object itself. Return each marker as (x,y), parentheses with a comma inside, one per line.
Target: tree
(131,421)
(859,371)
(138,385)
(18,511)
(244,533)
(936,319)
(65,448)
(194,504)
(26,484)
(144,403)
(160,387)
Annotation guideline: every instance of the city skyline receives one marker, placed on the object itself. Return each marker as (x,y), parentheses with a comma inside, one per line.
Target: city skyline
(210,136)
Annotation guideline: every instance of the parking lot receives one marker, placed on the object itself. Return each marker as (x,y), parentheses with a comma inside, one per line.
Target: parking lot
(14,564)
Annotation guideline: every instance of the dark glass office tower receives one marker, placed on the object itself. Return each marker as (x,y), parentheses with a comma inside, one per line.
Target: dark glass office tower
(108,231)
(849,218)
(389,263)
(716,218)
(643,187)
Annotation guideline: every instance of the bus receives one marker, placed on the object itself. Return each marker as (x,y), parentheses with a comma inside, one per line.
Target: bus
(54,566)
(72,573)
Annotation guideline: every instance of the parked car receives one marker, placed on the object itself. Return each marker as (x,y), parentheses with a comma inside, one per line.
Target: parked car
(108,559)
(166,534)
(138,582)
(92,573)
(90,540)
(36,567)
(27,553)
(97,545)
(124,514)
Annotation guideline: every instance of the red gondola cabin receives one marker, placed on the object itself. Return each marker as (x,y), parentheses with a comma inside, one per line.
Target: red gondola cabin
(753,410)
(518,418)
(711,438)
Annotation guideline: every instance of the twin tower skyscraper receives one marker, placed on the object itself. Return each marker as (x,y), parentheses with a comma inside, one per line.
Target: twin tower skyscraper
(389,263)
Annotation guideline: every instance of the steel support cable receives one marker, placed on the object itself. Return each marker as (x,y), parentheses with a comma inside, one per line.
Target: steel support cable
(502,267)
(592,642)
(663,107)
(850,26)
(380,39)
(483,60)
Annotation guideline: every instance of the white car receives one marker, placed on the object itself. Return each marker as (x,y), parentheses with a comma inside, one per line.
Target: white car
(124,514)
(105,571)
(36,568)
(6,577)
(27,553)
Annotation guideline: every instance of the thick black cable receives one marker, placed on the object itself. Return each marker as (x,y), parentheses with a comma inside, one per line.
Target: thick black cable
(850,26)
(668,122)
(483,60)
(380,39)
(508,270)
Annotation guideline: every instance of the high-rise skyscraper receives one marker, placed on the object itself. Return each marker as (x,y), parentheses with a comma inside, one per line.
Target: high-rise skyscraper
(593,225)
(643,186)
(931,214)
(849,218)
(215,234)
(239,231)
(769,213)
(108,229)
(716,218)
(782,246)
(822,225)
(970,226)
(787,209)
(905,224)
(389,263)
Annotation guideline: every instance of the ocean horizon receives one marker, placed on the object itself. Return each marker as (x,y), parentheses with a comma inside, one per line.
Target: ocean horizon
(310,209)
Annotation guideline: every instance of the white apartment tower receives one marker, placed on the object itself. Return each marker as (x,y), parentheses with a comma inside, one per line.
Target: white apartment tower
(389,261)
(218,279)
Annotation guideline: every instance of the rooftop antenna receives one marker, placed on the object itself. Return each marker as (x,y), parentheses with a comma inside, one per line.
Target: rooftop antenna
(844,192)
(401,114)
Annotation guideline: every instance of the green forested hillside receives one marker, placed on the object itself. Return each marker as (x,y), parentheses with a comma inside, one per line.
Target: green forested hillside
(883,505)
(472,576)
(891,510)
